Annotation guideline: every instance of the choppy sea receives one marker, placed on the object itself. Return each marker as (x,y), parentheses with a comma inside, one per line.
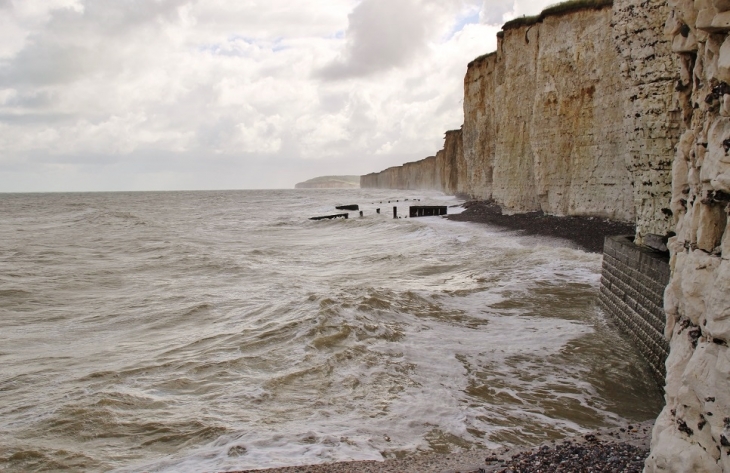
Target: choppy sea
(190,331)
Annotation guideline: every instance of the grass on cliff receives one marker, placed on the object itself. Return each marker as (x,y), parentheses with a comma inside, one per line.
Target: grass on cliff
(556,10)
(481,58)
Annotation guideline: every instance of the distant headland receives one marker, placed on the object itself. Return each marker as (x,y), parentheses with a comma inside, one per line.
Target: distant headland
(330,182)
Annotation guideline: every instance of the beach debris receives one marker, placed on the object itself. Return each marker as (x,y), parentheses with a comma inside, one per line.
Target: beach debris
(323,217)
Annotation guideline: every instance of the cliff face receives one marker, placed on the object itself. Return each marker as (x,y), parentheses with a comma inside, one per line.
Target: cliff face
(651,112)
(693,431)
(563,118)
(446,171)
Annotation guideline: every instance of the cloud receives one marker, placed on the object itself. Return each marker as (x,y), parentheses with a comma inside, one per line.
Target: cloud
(173,89)
(382,34)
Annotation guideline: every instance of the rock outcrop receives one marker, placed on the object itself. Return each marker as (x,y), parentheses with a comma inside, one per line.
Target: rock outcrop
(693,431)
(330,182)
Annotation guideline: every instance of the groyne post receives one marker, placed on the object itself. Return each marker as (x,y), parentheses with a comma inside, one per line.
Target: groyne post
(395,212)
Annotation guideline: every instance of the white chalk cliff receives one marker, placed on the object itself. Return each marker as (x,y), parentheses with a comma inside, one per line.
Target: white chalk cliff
(693,431)
(568,116)
(618,109)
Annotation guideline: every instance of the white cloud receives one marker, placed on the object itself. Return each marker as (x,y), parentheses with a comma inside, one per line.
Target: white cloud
(197,94)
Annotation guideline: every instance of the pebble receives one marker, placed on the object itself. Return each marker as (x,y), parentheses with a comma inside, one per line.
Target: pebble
(570,457)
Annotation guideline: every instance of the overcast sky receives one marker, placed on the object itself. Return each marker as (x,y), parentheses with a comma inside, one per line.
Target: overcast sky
(230,94)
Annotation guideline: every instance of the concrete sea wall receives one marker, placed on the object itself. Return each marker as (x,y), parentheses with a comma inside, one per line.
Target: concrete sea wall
(633,280)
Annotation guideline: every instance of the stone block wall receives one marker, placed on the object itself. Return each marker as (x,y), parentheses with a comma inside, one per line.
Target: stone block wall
(633,279)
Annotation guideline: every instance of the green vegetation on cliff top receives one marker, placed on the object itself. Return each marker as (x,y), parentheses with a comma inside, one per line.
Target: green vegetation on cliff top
(554,10)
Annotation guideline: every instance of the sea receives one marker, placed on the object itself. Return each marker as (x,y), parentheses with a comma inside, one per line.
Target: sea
(225,330)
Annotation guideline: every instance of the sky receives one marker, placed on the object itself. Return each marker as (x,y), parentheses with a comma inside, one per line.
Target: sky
(127,95)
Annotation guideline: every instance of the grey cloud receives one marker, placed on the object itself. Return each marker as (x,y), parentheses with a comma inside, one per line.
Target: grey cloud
(382,34)
(112,17)
(43,63)
(493,11)
(62,52)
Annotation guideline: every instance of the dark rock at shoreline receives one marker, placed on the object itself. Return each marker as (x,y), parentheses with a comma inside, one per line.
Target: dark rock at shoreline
(571,457)
(586,232)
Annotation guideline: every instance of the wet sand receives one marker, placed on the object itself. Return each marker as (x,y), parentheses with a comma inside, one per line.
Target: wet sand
(586,232)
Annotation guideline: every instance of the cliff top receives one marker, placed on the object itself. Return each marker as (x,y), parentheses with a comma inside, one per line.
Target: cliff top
(556,10)
(481,58)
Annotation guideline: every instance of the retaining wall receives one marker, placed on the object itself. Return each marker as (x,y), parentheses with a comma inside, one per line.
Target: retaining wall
(633,280)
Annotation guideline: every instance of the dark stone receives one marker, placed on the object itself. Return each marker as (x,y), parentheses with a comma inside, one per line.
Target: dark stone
(721,197)
(695,335)
(324,217)
(656,242)
(682,427)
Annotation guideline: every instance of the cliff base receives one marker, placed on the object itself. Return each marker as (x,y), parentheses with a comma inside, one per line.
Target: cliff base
(586,232)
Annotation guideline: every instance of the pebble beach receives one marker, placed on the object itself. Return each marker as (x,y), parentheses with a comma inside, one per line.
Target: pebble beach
(616,450)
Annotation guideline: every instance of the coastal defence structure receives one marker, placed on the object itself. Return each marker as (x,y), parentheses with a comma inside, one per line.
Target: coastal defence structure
(619,109)
(633,280)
